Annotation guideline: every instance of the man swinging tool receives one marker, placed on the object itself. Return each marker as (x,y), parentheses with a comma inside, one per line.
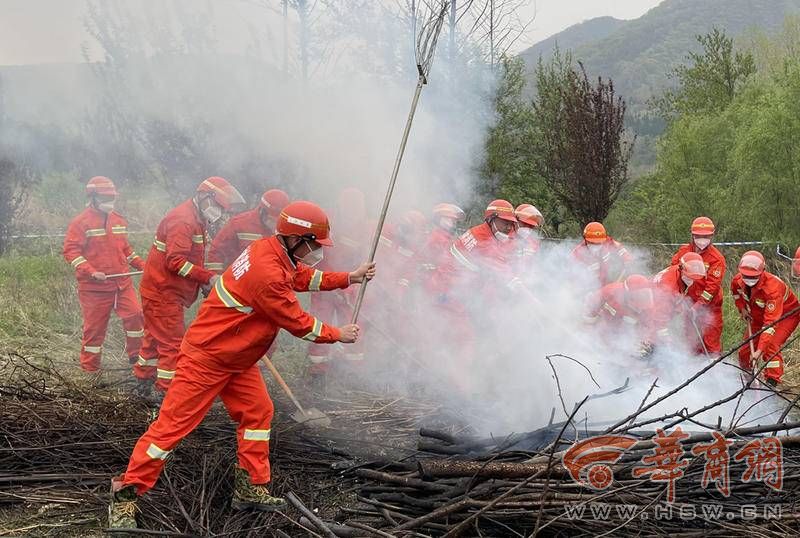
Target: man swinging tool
(250,302)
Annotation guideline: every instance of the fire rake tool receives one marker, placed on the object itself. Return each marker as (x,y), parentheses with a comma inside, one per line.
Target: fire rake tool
(432,19)
(132,273)
(311,415)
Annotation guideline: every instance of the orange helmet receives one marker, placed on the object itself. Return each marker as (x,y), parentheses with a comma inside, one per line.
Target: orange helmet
(639,291)
(500,209)
(796,264)
(448,210)
(306,220)
(100,185)
(703,226)
(692,266)
(528,214)
(274,200)
(222,192)
(752,264)
(595,232)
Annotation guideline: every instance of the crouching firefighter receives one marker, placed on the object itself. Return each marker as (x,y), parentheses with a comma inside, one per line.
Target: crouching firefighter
(250,302)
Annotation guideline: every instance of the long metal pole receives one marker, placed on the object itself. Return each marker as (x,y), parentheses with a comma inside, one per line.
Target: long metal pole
(376,238)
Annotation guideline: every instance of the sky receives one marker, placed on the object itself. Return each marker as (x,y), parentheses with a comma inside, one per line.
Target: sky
(48,31)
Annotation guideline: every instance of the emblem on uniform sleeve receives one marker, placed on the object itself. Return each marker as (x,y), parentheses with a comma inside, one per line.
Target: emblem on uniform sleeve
(770,306)
(717,272)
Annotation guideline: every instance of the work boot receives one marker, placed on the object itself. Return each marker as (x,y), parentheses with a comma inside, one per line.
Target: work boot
(122,510)
(249,496)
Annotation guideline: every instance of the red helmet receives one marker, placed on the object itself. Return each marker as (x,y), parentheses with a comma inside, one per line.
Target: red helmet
(307,220)
(703,226)
(528,214)
(500,209)
(752,264)
(639,292)
(100,185)
(594,232)
(449,210)
(274,200)
(222,192)
(692,266)
(796,264)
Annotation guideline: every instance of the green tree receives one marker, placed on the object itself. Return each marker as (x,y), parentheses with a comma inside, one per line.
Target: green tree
(710,80)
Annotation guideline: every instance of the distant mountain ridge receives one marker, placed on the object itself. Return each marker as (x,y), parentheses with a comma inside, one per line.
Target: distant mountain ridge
(638,54)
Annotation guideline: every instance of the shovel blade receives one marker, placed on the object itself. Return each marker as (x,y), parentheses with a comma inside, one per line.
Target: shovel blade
(312,417)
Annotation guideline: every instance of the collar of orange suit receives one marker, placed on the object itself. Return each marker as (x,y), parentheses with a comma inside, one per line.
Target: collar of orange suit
(277,246)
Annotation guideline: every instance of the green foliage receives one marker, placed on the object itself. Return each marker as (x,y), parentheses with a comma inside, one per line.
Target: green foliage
(711,80)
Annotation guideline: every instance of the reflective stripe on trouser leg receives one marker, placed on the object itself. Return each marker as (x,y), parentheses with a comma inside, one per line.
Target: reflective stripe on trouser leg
(96,307)
(246,398)
(195,388)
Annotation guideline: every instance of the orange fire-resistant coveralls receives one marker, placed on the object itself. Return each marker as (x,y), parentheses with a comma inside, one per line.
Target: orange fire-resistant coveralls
(172,277)
(237,323)
(608,308)
(610,265)
(768,301)
(98,242)
(676,299)
(710,299)
(233,238)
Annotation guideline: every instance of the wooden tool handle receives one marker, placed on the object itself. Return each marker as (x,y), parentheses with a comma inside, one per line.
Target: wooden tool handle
(282,383)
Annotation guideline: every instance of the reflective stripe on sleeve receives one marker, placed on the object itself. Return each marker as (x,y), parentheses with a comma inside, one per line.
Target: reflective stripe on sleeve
(214,266)
(629,320)
(316,331)
(77,261)
(244,236)
(460,258)
(165,374)
(706,296)
(773,364)
(197,239)
(316,281)
(135,334)
(770,331)
(117,230)
(186,268)
(95,232)
(132,256)
(141,361)
(92,349)
(156,453)
(228,299)
(256,435)
(610,309)
(160,245)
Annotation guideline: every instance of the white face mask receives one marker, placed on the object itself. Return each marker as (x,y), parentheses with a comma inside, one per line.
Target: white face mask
(500,236)
(702,243)
(686,280)
(313,258)
(212,213)
(524,233)
(594,248)
(750,282)
(106,207)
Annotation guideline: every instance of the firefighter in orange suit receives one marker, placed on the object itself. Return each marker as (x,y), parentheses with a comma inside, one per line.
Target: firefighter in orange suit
(708,308)
(244,228)
(96,245)
(528,243)
(173,275)
(680,288)
(479,268)
(633,304)
(762,299)
(251,301)
(606,259)
(435,251)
